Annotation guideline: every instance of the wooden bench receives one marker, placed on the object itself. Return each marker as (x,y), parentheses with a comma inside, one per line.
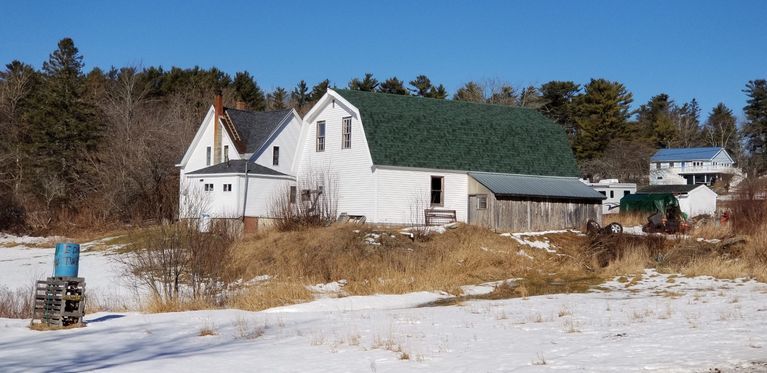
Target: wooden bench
(439,217)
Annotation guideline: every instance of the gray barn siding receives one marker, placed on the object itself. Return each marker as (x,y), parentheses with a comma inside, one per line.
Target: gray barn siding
(517,215)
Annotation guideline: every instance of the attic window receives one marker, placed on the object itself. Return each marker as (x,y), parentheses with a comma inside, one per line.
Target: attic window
(321,136)
(437,190)
(346,133)
(226,153)
(275,155)
(207,156)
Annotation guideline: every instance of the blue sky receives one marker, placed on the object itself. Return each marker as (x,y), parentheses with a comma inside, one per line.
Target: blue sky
(702,49)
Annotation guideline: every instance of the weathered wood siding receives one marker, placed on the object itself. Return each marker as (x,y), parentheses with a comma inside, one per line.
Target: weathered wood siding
(518,214)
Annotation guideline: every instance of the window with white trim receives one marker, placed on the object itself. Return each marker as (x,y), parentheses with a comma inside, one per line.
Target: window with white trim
(321,136)
(208,187)
(227,187)
(482,202)
(275,156)
(437,190)
(346,133)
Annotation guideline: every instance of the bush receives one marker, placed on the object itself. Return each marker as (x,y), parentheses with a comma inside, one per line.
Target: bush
(12,214)
(16,304)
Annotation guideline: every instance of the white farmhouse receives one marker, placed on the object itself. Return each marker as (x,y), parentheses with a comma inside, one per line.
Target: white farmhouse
(390,159)
(692,166)
(236,162)
(613,190)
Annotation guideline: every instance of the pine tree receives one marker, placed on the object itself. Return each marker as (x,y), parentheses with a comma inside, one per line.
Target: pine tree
(247,90)
(278,99)
(422,86)
(654,118)
(367,84)
(755,128)
(558,99)
(300,95)
(531,98)
(438,92)
(319,90)
(63,125)
(471,92)
(393,86)
(601,114)
(720,129)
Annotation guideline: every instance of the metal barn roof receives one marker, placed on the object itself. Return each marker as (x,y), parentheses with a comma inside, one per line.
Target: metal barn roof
(685,154)
(511,185)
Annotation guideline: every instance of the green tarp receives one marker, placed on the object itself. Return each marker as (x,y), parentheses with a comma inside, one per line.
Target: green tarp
(648,202)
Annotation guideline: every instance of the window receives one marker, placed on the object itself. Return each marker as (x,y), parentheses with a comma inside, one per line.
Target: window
(275,155)
(481,202)
(292,195)
(612,194)
(657,165)
(207,157)
(346,133)
(626,192)
(208,187)
(437,190)
(321,136)
(227,187)
(671,164)
(306,195)
(226,153)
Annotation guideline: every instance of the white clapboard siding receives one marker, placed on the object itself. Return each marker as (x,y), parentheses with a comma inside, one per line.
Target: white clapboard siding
(350,168)
(287,139)
(403,194)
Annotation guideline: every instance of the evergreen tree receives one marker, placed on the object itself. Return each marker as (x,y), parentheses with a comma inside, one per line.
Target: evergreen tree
(471,92)
(531,98)
(505,95)
(300,95)
(601,114)
(654,118)
(367,84)
(720,130)
(558,103)
(422,86)
(63,125)
(755,128)
(247,90)
(278,99)
(393,86)
(319,90)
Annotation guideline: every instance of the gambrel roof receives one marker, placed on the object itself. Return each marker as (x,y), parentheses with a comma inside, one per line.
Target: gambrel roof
(420,132)
(687,154)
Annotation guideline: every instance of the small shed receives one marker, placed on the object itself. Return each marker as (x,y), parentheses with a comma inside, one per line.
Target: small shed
(693,200)
(518,203)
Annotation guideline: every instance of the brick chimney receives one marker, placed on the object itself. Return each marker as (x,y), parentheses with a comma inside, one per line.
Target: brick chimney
(219,108)
(240,105)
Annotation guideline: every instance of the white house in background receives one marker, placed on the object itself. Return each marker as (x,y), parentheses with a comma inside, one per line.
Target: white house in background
(613,190)
(692,166)
(693,200)
(214,179)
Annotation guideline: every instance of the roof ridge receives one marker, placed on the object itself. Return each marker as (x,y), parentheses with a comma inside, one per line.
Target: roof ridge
(434,99)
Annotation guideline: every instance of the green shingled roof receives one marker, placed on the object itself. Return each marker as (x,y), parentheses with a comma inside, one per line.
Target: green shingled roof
(422,132)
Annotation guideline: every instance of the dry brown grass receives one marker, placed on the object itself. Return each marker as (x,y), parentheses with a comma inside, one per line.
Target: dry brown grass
(158,305)
(272,294)
(16,304)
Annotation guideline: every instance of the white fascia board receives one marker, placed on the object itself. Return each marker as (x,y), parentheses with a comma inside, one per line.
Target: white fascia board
(197,137)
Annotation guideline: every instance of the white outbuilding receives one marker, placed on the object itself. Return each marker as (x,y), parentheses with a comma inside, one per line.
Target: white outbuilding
(693,200)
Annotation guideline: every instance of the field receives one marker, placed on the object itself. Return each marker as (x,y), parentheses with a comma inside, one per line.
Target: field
(367,299)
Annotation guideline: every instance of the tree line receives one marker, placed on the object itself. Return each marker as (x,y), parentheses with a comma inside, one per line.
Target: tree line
(99,147)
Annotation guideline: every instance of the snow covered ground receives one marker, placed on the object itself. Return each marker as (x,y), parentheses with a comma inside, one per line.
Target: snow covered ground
(656,323)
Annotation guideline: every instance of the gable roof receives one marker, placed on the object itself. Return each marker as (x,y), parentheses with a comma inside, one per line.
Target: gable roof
(666,189)
(254,127)
(686,154)
(236,167)
(411,131)
(553,187)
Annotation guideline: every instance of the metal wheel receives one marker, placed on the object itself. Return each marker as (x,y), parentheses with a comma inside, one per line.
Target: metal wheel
(615,228)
